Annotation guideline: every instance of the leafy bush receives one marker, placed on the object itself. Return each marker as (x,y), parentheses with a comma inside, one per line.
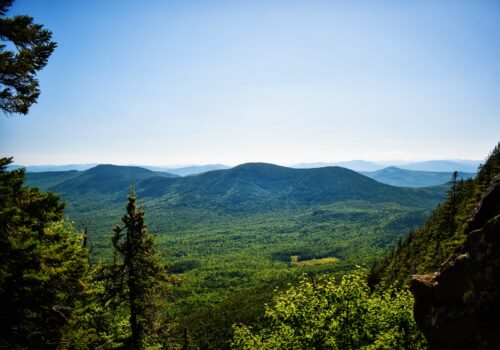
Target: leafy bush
(330,314)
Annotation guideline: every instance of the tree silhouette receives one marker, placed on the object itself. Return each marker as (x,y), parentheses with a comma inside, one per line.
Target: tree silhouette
(31,47)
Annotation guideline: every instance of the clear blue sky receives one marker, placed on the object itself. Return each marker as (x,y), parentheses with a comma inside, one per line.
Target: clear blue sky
(182,82)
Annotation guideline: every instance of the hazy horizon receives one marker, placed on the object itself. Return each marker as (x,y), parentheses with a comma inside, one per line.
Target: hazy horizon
(387,162)
(284,82)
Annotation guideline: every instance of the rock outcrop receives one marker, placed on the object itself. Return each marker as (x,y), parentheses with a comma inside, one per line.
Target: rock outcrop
(459,307)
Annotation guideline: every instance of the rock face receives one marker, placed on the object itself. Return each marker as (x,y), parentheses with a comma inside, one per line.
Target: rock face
(459,308)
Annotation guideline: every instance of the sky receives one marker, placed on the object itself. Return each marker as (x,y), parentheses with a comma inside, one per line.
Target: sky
(196,82)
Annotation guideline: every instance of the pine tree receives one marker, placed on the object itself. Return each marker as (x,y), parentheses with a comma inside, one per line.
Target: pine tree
(452,203)
(32,44)
(138,278)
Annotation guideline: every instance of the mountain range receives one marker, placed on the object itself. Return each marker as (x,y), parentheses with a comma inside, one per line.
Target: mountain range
(251,186)
(412,178)
(180,171)
(188,170)
(125,175)
(469,166)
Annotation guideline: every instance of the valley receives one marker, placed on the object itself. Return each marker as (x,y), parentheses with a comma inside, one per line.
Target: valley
(255,224)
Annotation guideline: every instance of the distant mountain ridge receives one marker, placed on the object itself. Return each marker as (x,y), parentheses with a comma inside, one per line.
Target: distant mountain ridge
(50,168)
(103,178)
(469,166)
(412,178)
(251,186)
(356,165)
(181,171)
(188,170)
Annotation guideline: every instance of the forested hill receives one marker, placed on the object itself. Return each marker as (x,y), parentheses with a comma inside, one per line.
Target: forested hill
(425,249)
(103,178)
(252,186)
(107,179)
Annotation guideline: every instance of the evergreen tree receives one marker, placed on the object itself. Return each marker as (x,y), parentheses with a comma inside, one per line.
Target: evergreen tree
(452,203)
(42,265)
(32,44)
(138,278)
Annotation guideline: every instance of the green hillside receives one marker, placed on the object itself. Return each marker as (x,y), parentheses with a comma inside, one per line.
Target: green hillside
(252,187)
(411,178)
(46,180)
(106,178)
(425,249)
(266,186)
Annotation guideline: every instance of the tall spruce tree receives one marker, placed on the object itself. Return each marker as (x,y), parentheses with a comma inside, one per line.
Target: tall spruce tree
(31,48)
(139,279)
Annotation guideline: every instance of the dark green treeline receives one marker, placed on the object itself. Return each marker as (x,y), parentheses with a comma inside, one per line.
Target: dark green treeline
(425,249)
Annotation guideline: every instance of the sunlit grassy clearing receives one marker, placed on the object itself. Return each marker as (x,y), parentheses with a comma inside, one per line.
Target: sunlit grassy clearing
(314,262)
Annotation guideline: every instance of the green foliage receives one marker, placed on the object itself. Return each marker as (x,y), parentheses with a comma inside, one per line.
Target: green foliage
(95,322)
(211,327)
(488,170)
(327,314)
(46,180)
(32,44)
(42,265)
(425,249)
(137,278)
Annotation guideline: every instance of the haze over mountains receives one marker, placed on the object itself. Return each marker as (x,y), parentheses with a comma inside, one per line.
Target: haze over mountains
(396,176)
(412,178)
(469,166)
(466,166)
(180,171)
(188,170)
